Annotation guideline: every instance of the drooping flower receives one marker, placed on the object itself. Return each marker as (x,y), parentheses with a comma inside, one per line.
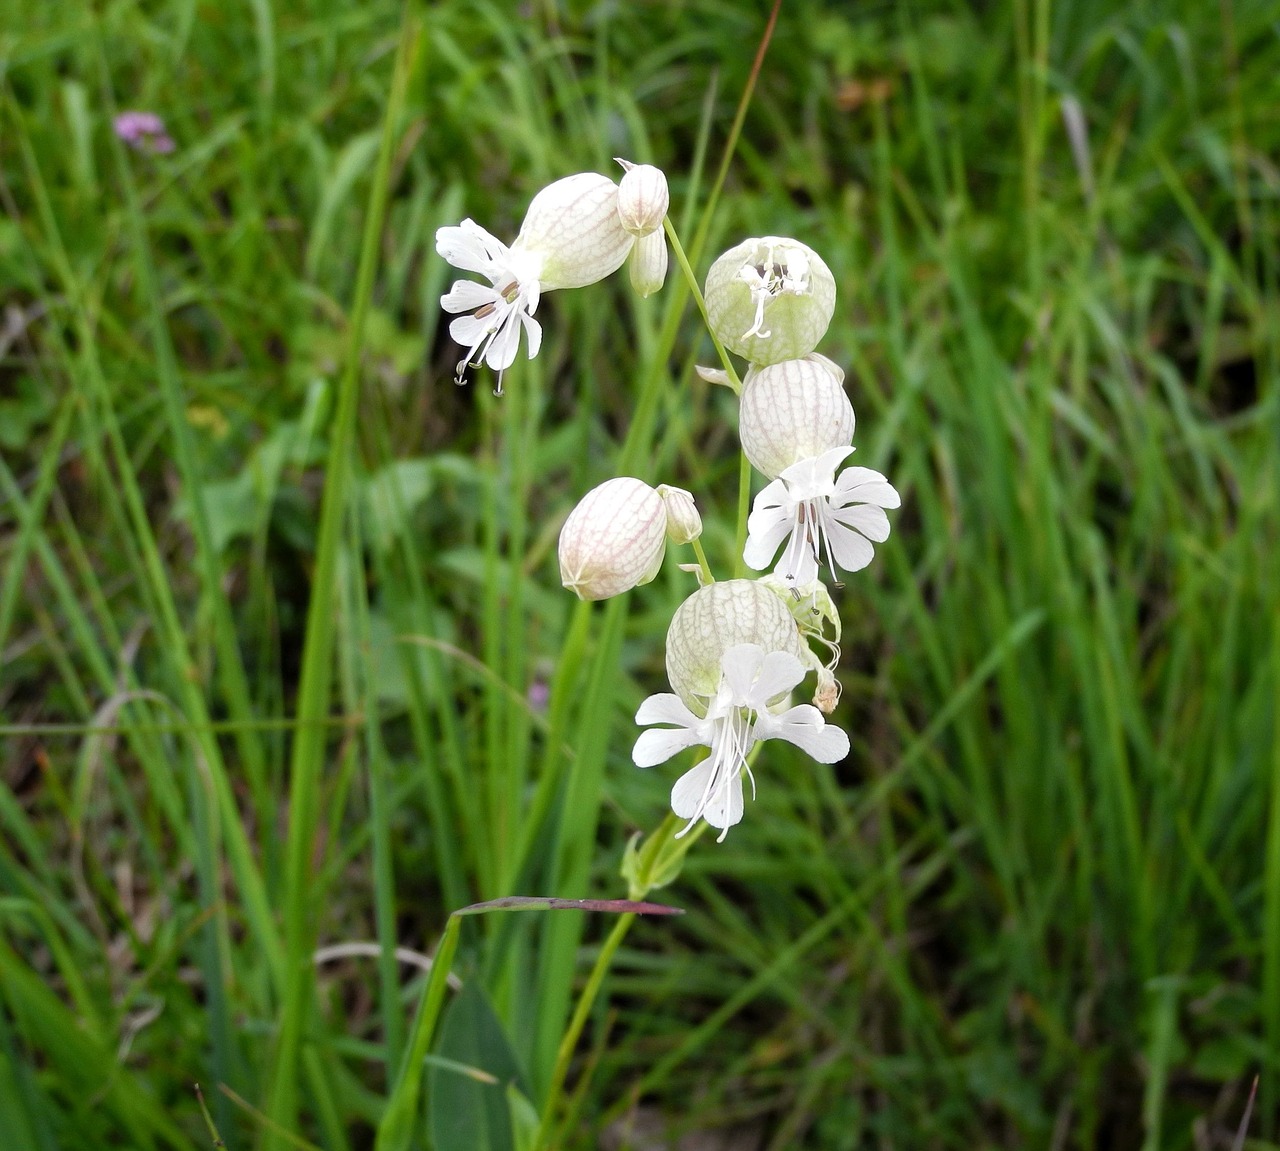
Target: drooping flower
(747,707)
(571,236)
(613,540)
(822,516)
(770,299)
(793,411)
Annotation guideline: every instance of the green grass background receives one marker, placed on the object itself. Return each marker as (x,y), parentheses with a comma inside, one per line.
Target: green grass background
(1039,906)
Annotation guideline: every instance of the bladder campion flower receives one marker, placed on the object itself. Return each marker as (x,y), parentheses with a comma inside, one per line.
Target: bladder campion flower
(770,299)
(747,707)
(572,236)
(821,515)
(613,540)
(793,411)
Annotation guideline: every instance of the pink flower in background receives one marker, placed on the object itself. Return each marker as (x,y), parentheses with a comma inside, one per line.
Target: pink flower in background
(143,131)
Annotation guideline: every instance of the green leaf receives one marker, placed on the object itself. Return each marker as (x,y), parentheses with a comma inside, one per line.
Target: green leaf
(466,1114)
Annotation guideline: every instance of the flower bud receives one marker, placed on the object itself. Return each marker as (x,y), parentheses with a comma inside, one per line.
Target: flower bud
(684,524)
(642,198)
(573,227)
(793,411)
(714,619)
(770,299)
(648,264)
(613,540)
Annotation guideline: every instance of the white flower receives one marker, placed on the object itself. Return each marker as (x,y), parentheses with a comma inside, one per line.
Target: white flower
(770,299)
(571,236)
(746,708)
(821,515)
(793,411)
(613,540)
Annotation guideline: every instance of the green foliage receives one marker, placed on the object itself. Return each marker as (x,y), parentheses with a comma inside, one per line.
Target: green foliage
(1039,905)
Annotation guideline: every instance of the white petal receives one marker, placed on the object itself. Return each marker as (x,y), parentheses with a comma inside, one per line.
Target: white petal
(852,550)
(666,707)
(864,486)
(690,789)
(814,471)
(467,296)
(469,331)
(659,744)
(865,518)
(470,247)
(533,331)
(779,673)
(502,351)
(772,519)
(804,727)
(740,665)
(724,807)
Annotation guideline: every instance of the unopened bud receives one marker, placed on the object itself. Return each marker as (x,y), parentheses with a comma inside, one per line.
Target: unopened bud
(793,411)
(684,524)
(648,264)
(613,540)
(643,198)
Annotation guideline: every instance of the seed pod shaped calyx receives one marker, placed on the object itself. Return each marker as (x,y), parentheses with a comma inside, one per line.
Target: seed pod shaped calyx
(613,540)
(573,224)
(793,411)
(770,299)
(716,618)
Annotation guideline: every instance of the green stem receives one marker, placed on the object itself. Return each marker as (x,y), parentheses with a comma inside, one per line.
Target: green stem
(702,561)
(687,269)
(569,1042)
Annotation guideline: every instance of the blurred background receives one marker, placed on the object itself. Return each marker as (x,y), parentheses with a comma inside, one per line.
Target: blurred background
(1038,906)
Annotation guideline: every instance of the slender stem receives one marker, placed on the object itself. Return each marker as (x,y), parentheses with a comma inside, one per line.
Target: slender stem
(744,508)
(692,280)
(570,1040)
(702,561)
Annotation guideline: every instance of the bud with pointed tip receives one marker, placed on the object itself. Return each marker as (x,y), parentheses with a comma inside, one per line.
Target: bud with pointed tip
(716,618)
(648,264)
(643,198)
(613,540)
(684,524)
(793,411)
(770,299)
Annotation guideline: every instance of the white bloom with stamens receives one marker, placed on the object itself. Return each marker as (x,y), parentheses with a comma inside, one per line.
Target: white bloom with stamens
(821,516)
(748,706)
(793,411)
(770,299)
(571,236)
(613,540)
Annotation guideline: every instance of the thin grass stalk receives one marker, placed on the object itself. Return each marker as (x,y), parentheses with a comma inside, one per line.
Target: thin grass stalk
(569,1041)
(313,692)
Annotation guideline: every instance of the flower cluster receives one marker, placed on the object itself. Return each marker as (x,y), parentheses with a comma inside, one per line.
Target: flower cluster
(736,650)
